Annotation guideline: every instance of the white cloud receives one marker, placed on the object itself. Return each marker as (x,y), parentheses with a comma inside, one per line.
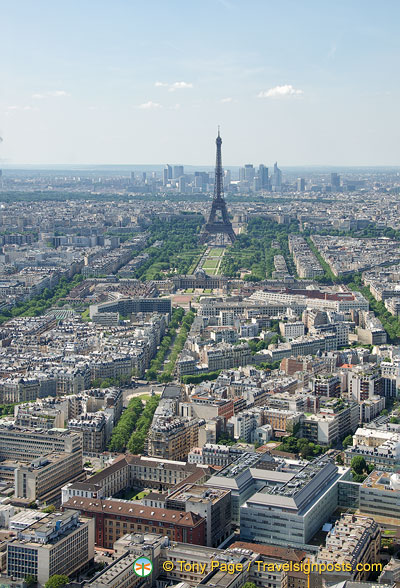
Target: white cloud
(150,105)
(280,91)
(52,94)
(226,100)
(174,86)
(180,85)
(58,93)
(17,107)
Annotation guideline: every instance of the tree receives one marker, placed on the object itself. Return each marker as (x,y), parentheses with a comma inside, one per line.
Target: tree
(30,580)
(57,581)
(347,441)
(358,464)
(51,508)
(249,585)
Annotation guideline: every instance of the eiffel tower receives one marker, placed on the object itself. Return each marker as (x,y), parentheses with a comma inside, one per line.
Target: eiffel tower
(218,224)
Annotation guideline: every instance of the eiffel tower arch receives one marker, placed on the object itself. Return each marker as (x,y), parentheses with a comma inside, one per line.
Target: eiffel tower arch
(218,228)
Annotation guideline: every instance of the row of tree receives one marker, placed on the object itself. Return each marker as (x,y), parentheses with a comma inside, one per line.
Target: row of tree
(138,437)
(157,364)
(132,428)
(253,250)
(126,425)
(180,246)
(179,344)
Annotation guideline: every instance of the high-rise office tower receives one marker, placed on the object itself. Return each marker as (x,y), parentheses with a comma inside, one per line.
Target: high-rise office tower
(178,171)
(256,184)
(263,176)
(227,178)
(301,184)
(132,177)
(201,179)
(242,174)
(1,179)
(167,174)
(277,177)
(182,184)
(249,172)
(335,181)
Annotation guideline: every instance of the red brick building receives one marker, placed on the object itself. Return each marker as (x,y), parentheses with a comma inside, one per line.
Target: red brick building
(115,518)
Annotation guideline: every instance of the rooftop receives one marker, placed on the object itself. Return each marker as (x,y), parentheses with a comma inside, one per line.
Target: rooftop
(128,508)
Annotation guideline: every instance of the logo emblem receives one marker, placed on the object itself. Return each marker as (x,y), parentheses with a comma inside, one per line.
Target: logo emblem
(142,566)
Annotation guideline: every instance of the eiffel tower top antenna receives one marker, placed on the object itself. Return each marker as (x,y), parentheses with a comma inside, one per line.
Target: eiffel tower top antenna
(219,174)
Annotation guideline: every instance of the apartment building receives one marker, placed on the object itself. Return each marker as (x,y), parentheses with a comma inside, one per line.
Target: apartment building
(354,540)
(172,437)
(15,390)
(213,454)
(363,383)
(371,408)
(96,430)
(333,422)
(377,446)
(281,420)
(327,385)
(292,330)
(379,495)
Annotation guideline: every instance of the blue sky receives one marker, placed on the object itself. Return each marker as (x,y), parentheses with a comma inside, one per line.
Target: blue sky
(126,81)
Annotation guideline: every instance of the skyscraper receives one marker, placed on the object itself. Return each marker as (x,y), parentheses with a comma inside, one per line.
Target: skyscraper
(227,178)
(263,176)
(167,174)
(335,181)
(277,178)
(178,171)
(182,184)
(301,184)
(249,172)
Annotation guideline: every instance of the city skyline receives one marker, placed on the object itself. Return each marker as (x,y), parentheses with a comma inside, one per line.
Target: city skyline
(301,84)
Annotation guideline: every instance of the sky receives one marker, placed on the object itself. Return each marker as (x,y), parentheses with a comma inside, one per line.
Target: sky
(301,82)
